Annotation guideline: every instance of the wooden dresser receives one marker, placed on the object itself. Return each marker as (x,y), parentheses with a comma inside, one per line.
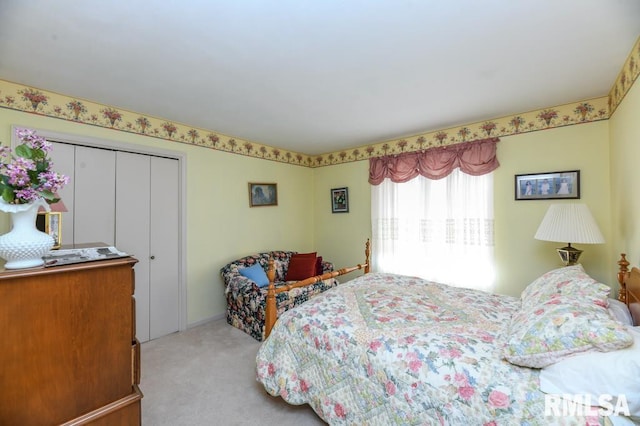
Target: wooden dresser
(68,349)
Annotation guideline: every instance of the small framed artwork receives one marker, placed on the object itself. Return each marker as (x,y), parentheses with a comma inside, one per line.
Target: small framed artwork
(340,200)
(263,194)
(548,186)
(51,223)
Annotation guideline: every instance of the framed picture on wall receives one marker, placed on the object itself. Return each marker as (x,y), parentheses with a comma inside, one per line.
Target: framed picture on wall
(263,194)
(548,186)
(340,200)
(51,223)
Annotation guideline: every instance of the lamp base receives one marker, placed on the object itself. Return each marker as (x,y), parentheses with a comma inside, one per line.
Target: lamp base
(569,255)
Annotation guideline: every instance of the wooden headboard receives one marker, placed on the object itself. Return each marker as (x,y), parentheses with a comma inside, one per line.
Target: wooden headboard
(629,293)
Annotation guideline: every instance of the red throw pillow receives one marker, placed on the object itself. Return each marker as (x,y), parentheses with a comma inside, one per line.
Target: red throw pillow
(301,266)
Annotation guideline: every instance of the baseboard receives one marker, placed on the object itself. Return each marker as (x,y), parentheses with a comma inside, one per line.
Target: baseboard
(206,320)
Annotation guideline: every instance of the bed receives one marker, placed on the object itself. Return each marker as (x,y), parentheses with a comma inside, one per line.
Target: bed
(391,349)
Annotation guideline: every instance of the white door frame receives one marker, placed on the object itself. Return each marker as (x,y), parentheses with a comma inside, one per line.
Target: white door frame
(94,142)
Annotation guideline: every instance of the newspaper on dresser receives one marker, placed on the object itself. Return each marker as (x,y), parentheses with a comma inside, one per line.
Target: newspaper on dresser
(79,255)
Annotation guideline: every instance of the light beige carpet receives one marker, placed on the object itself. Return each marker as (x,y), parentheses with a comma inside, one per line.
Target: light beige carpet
(206,376)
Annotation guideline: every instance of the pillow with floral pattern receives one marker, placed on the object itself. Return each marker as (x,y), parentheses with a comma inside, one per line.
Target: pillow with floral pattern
(568,280)
(560,327)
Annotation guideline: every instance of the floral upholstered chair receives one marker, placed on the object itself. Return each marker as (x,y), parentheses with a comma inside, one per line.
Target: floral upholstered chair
(246,288)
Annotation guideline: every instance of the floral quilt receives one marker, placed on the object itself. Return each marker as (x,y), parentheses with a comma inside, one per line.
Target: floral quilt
(389,349)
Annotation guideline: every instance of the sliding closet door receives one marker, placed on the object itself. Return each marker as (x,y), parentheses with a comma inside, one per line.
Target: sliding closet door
(90,215)
(130,201)
(133,180)
(95,190)
(147,225)
(164,222)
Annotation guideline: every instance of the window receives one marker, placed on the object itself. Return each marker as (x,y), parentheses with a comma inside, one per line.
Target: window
(440,230)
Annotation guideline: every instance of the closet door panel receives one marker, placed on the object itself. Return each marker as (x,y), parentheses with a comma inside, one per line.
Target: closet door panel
(95,187)
(131,201)
(63,157)
(164,223)
(132,226)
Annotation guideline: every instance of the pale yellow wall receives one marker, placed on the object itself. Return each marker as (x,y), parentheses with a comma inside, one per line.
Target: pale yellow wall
(624,127)
(220,224)
(341,237)
(222,227)
(519,257)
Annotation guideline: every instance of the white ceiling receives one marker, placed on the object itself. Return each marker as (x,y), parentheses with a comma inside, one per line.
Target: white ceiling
(318,76)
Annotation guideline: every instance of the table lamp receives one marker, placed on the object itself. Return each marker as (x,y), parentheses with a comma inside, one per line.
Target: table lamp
(570,223)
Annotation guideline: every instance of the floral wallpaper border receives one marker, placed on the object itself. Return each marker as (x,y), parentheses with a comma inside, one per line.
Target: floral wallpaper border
(38,101)
(627,76)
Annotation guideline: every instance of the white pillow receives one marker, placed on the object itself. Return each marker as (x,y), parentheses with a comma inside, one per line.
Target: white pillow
(597,373)
(620,312)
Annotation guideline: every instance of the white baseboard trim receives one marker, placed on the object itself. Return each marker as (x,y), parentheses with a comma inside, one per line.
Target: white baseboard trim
(206,320)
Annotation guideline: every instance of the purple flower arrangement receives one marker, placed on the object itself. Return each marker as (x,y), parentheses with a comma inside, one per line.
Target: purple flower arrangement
(26,175)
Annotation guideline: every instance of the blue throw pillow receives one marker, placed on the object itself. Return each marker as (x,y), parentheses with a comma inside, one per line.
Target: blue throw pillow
(256,274)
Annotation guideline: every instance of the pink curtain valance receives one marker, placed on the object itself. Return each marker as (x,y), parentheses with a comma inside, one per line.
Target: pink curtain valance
(474,158)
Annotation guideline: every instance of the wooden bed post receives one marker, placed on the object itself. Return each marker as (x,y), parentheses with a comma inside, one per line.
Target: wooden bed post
(629,294)
(271,309)
(623,272)
(367,252)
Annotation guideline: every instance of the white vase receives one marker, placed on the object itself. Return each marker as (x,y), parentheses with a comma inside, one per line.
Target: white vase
(24,245)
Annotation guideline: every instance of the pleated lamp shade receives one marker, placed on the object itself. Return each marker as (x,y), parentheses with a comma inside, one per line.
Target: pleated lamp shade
(570,223)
